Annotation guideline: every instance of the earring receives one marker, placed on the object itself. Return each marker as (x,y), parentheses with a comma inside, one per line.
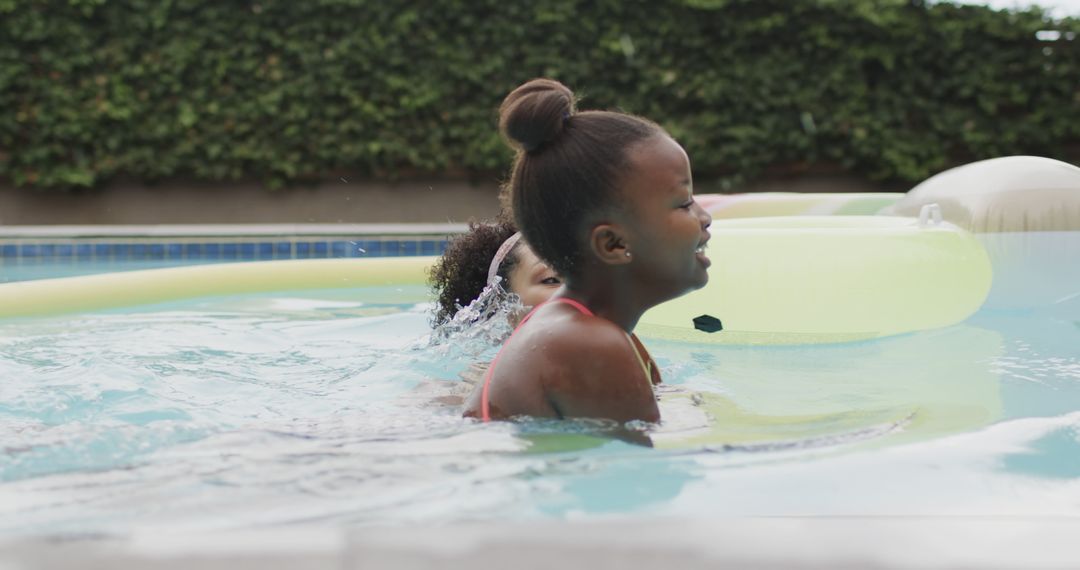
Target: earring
(628,254)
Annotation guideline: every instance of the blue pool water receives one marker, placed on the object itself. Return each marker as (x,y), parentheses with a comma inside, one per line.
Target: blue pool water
(267,410)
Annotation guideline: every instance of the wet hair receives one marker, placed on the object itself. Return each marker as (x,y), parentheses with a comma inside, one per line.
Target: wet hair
(460,275)
(568,168)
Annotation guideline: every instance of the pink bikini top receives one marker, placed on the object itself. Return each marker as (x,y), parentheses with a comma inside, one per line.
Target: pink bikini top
(485,402)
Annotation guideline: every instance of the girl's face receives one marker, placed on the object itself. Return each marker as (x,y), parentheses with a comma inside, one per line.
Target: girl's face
(532,279)
(667,230)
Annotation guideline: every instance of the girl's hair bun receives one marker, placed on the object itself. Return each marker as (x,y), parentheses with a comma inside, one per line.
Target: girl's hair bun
(535,113)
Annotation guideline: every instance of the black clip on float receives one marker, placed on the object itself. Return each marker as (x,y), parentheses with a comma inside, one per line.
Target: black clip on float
(708,323)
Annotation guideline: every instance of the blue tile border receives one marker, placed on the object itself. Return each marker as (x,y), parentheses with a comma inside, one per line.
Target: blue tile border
(258,248)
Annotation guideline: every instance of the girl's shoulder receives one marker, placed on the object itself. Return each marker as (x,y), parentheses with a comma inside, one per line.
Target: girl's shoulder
(588,367)
(561,326)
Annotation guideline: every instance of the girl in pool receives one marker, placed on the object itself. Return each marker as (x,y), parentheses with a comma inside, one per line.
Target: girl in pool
(472,261)
(477,270)
(606,199)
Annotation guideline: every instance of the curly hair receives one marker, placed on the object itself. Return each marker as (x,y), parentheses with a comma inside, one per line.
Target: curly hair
(460,275)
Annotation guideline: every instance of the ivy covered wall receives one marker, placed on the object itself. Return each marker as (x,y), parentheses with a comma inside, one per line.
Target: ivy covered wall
(283,90)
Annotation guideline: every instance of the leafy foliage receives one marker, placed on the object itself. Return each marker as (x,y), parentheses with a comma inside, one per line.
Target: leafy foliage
(92,90)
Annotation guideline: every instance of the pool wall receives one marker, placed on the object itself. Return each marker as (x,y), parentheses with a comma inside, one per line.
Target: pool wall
(74,244)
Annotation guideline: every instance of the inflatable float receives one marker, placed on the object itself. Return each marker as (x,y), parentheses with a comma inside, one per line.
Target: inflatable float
(151,286)
(822,279)
(767,204)
(1025,211)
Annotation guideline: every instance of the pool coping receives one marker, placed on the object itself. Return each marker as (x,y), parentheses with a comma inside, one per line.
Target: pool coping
(225,230)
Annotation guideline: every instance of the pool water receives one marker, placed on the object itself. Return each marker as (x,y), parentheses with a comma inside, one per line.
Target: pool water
(267,410)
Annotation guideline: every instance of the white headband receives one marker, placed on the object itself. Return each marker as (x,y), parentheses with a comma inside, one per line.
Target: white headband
(500,255)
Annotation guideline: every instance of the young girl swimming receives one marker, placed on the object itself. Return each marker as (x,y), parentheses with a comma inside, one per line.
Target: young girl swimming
(491,249)
(473,259)
(606,199)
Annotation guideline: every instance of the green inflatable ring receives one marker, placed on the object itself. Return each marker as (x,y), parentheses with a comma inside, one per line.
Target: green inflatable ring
(821,279)
(150,286)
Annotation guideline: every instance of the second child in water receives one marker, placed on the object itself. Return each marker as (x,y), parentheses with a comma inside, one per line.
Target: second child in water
(606,199)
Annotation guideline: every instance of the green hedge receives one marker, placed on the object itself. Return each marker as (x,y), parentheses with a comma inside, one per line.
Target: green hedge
(285,90)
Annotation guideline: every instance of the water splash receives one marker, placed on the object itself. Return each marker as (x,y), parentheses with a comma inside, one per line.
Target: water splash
(478,329)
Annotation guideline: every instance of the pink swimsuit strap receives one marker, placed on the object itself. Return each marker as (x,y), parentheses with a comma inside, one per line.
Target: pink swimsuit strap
(485,403)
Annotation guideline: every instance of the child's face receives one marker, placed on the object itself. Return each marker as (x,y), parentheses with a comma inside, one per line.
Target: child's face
(668,230)
(532,279)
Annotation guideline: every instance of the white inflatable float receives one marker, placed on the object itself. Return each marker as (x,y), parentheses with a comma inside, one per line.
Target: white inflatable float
(1025,210)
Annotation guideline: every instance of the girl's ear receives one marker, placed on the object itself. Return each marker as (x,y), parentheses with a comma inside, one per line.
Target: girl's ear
(607,242)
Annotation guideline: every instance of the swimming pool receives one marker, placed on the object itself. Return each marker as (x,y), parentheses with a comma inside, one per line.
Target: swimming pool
(276,409)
